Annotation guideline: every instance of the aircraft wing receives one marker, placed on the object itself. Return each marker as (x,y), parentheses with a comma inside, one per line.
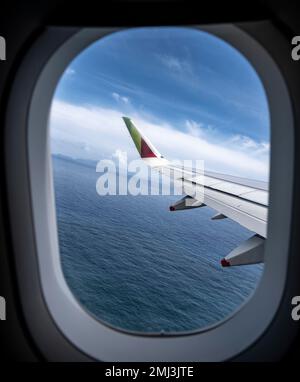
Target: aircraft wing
(241,200)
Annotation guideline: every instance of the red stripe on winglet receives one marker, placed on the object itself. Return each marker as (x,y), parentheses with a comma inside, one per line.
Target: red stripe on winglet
(146,152)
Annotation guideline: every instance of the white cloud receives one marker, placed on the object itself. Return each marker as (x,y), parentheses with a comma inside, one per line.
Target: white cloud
(249,144)
(103,130)
(86,147)
(174,63)
(194,128)
(70,72)
(120,98)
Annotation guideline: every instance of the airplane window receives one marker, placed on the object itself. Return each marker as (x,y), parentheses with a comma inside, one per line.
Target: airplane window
(160,149)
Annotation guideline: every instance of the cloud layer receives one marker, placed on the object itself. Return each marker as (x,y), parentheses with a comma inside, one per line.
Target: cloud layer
(91,132)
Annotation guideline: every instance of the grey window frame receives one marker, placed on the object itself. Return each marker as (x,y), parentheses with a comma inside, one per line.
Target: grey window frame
(34,230)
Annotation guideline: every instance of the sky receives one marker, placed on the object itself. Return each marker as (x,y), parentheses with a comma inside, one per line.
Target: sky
(192,94)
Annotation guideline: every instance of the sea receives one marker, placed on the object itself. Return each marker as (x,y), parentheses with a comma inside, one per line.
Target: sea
(133,264)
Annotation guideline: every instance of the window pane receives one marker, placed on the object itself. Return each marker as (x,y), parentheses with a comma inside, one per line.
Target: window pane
(129,261)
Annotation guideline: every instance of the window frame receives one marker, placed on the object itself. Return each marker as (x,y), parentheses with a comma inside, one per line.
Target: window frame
(47,302)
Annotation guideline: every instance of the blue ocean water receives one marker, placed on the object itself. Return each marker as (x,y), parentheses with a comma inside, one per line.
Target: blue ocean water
(135,265)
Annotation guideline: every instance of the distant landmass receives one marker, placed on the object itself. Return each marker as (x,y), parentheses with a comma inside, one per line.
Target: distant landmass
(83,162)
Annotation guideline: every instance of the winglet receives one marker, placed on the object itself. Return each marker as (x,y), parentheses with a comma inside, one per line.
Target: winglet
(143,145)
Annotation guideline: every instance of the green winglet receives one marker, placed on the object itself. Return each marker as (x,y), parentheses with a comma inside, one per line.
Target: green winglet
(135,135)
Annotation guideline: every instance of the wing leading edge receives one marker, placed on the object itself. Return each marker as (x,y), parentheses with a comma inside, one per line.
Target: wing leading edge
(241,200)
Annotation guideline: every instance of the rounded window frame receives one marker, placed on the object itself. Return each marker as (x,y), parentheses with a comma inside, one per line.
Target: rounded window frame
(219,342)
